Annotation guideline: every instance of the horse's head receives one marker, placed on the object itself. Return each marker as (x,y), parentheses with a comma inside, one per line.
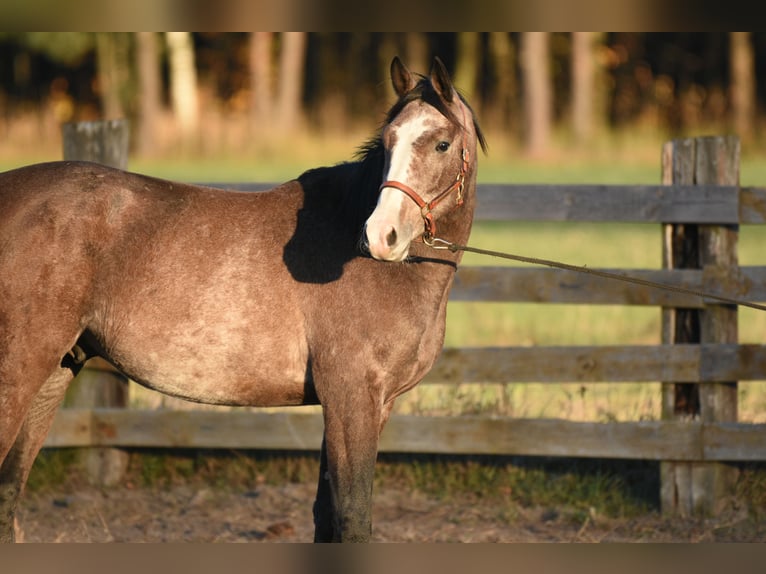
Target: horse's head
(430,150)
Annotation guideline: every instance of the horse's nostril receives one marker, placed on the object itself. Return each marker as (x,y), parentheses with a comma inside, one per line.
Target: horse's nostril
(391,237)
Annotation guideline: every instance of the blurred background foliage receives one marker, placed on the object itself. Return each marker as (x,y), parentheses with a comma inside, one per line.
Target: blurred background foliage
(540,94)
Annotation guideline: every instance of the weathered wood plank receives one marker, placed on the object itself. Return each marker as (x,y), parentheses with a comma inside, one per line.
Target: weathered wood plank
(180,429)
(104,141)
(624,203)
(566,364)
(541,285)
(752,283)
(718,163)
(414,434)
(596,203)
(685,363)
(734,442)
(700,488)
(541,437)
(679,247)
(752,205)
(688,363)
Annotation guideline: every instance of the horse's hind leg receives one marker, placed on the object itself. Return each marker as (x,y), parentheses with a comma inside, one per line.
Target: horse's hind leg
(30,438)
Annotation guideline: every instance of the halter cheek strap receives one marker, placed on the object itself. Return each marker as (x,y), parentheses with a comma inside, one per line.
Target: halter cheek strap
(427,207)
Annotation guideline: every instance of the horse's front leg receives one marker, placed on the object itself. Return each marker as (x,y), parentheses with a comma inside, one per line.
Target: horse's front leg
(343,509)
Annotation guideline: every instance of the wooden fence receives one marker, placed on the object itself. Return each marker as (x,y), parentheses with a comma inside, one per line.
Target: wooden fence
(700,206)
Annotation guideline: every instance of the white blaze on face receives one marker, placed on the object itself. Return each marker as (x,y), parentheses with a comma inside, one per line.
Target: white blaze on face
(389,231)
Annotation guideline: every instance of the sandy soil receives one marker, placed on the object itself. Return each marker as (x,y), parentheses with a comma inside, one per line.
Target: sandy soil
(283,514)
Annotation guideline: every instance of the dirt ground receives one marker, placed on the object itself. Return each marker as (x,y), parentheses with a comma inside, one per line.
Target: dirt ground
(283,514)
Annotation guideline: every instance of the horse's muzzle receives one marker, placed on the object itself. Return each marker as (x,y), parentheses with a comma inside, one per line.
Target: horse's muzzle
(384,243)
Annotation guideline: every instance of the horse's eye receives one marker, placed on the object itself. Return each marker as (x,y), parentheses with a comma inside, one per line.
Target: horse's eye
(442,147)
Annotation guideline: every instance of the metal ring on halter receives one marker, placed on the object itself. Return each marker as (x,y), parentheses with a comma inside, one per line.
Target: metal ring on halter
(432,242)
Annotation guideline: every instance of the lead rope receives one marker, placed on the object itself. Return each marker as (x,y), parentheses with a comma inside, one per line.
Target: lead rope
(442,244)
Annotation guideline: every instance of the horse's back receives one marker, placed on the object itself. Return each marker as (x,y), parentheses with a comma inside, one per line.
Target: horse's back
(60,204)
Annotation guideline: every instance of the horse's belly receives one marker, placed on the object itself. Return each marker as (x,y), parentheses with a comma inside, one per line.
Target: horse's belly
(234,358)
(222,379)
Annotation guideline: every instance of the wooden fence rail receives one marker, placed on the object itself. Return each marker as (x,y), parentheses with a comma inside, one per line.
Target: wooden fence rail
(687,202)
(471,434)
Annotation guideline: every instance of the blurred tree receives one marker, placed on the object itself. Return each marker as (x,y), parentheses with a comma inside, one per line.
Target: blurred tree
(417,55)
(66,47)
(467,66)
(584,85)
(183,81)
(742,84)
(292,58)
(387,48)
(336,81)
(354,76)
(666,82)
(261,90)
(538,97)
(111,72)
(502,99)
(149,92)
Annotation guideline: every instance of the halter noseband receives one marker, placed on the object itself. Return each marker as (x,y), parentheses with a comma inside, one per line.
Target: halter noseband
(427,207)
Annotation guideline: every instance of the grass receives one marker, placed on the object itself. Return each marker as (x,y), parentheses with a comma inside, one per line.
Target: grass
(571,488)
(610,488)
(615,489)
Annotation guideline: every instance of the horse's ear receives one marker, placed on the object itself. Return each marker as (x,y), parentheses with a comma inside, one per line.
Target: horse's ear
(401,77)
(441,80)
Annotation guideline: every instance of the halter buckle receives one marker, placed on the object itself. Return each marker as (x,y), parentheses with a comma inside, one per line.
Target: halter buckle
(460,181)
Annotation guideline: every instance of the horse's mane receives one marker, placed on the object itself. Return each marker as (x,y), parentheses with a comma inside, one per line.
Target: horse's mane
(354,185)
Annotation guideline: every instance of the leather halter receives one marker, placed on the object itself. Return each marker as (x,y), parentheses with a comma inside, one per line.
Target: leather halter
(427,207)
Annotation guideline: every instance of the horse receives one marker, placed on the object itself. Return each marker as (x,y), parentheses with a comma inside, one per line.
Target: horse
(323,290)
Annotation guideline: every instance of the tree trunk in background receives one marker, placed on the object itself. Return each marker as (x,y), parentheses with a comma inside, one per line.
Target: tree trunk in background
(387,49)
(503,103)
(467,65)
(583,85)
(742,84)
(417,52)
(292,59)
(149,92)
(363,80)
(183,82)
(261,90)
(538,93)
(111,71)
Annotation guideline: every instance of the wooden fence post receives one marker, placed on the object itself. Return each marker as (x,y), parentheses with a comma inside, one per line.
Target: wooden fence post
(104,142)
(699,488)
(98,385)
